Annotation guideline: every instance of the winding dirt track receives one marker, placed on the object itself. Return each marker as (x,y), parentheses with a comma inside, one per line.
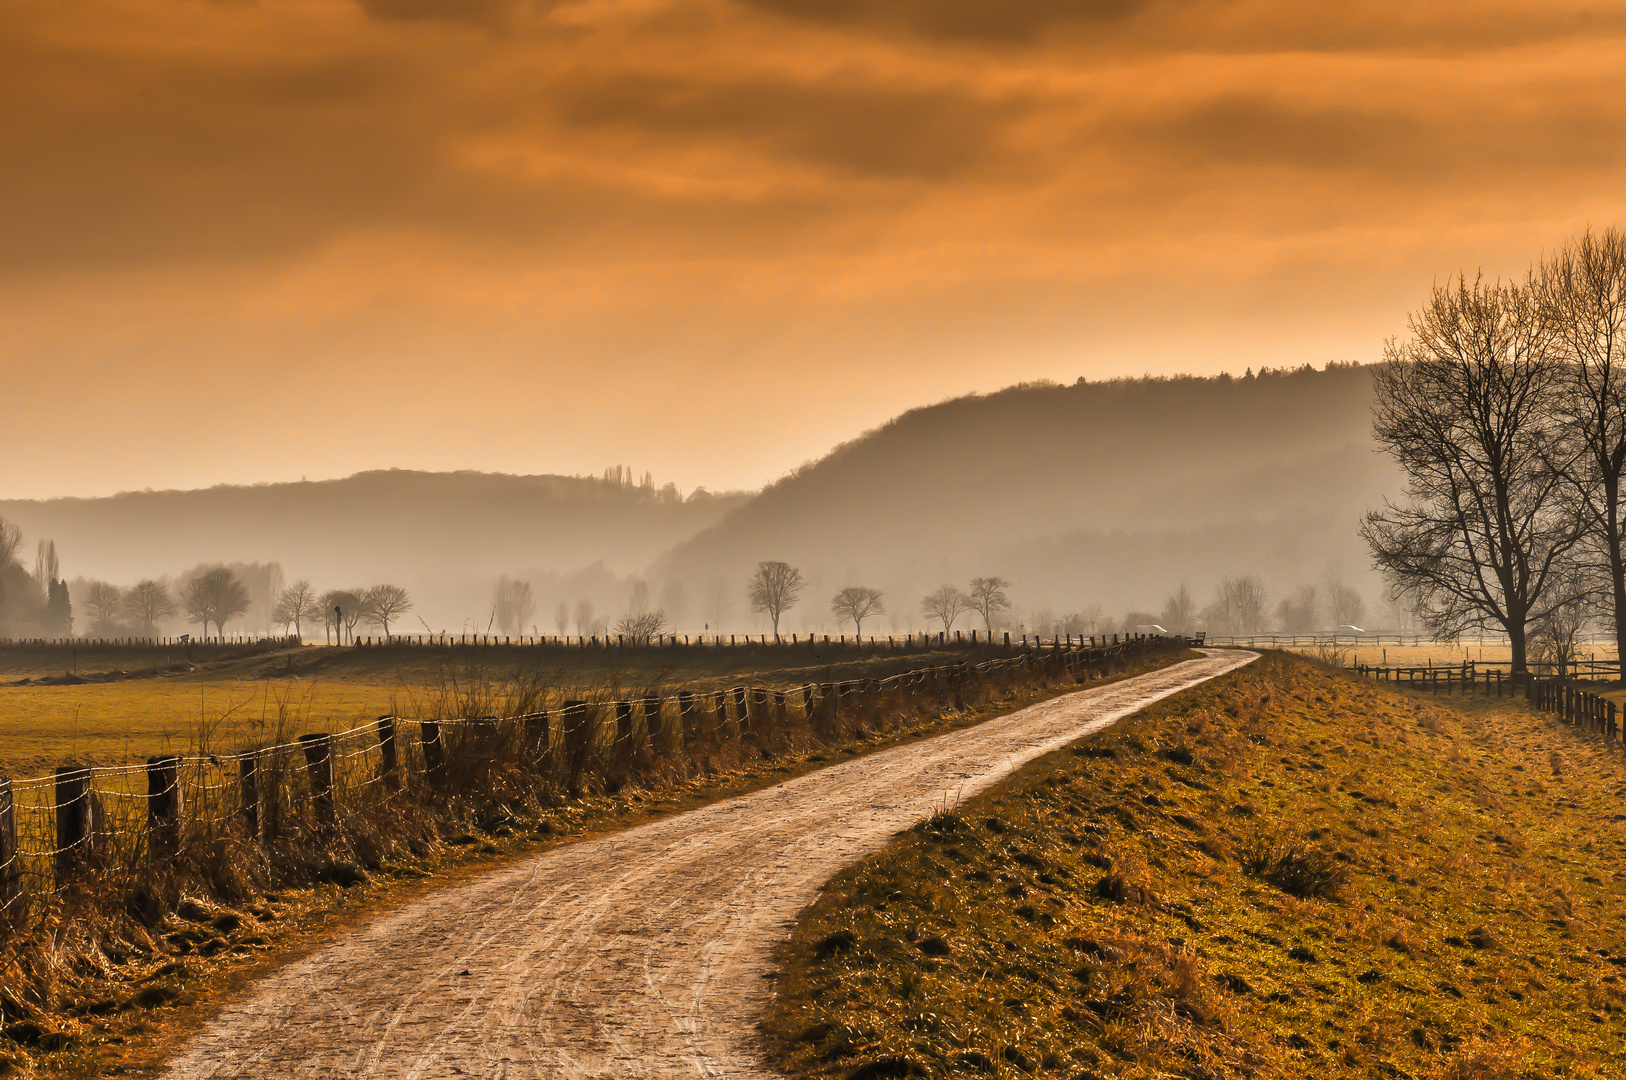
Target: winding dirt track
(641,954)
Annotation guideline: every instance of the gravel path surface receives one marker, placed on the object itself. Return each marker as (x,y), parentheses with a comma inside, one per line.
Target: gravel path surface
(641,954)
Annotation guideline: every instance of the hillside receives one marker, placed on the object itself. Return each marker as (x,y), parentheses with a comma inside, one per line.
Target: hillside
(1094,493)
(445,536)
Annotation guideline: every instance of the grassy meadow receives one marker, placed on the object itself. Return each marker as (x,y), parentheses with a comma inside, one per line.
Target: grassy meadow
(221,704)
(1288,872)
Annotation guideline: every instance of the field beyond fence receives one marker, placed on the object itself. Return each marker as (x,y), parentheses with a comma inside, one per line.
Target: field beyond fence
(325,805)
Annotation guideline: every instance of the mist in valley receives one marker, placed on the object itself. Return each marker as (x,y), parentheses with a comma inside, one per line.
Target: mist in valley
(1227,503)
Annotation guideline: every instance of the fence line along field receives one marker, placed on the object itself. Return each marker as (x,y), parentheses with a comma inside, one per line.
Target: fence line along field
(129,702)
(112,856)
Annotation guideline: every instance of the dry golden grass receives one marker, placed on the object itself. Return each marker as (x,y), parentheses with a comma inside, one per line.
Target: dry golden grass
(331,689)
(117,974)
(1289,872)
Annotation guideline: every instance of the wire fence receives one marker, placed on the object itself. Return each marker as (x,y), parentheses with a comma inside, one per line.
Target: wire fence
(229,822)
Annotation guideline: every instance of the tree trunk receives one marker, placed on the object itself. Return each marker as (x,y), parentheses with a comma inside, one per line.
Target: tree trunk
(1617,566)
(1516,638)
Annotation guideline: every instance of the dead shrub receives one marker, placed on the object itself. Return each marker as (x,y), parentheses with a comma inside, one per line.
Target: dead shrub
(1293,865)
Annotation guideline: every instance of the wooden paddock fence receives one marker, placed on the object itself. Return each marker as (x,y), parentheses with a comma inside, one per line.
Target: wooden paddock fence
(1582,708)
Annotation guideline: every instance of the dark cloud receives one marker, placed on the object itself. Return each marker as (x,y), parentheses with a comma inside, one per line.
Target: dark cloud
(487,13)
(1399,146)
(859,128)
(994,20)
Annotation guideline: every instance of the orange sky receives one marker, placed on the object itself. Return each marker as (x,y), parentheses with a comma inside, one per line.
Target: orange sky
(248,240)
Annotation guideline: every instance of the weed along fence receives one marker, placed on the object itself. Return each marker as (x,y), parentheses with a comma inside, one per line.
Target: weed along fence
(326,805)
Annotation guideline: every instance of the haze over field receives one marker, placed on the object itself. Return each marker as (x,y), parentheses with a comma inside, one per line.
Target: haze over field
(1106,495)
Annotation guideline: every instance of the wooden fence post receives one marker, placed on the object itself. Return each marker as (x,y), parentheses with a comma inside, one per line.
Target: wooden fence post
(688,717)
(248,788)
(780,714)
(623,730)
(719,704)
(578,734)
(164,807)
(73,819)
(11,879)
(434,752)
(807,703)
(742,711)
(655,729)
(318,747)
(389,764)
(538,738)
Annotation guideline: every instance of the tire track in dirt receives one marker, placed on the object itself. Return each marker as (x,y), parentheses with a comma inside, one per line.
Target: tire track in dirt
(640,954)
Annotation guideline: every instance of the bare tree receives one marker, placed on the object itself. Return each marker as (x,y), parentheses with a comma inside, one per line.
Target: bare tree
(46,568)
(215,596)
(104,604)
(638,623)
(561,617)
(1179,611)
(383,603)
(1486,533)
(946,603)
(584,618)
(987,597)
(1238,607)
(1582,292)
(513,605)
(1553,637)
(1298,612)
(147,604)
(774,590)
(341,611)
(11,541)
(856,603)
(1345,605)
(297,603)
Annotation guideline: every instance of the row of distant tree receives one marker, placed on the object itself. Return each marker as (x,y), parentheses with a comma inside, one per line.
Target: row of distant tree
(1240,606)
(218,597)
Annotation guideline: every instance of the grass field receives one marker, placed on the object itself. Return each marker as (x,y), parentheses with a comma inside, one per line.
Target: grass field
(231,703)
(1290,872)
(106,990)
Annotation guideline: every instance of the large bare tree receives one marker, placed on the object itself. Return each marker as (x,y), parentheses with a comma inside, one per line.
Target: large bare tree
(382,604)
(297,603)
(512,604)
(1463,406)
(1582,292)
(1238,607)
(1179,610)
(946,603)
(987,597)
(11,541)
(104,603)
(856,603)
(147,604)
(341,611)
(774,590)
(215,596)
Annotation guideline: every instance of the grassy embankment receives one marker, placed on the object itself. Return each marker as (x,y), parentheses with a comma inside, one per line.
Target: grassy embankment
(225,704)
(1288,872)
(112,993)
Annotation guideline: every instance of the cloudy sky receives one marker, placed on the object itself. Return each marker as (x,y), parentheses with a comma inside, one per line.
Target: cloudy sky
(252,240)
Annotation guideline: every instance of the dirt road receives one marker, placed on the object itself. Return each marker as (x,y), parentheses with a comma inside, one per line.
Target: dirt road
(642,954)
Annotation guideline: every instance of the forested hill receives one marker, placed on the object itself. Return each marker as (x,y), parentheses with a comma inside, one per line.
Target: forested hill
(1109,493)
(446,535)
